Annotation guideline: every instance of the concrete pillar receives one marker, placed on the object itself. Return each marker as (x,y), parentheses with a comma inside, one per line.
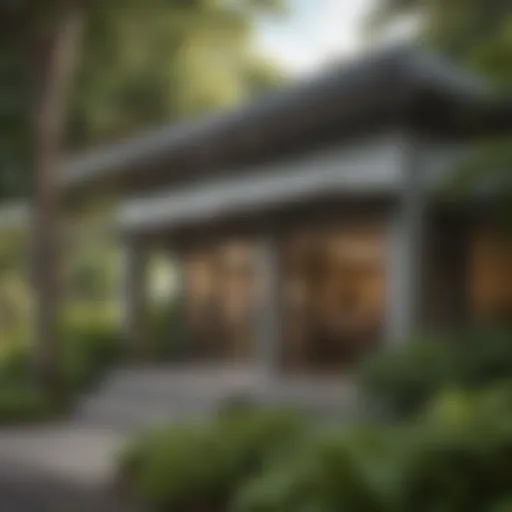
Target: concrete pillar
(406,244)
(135,297)
(268,304)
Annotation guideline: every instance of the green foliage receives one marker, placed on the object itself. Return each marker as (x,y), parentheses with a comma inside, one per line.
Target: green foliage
(23,403)
(352,470)
(460,452)
(88,345)
(14,363)
(484,355)
(478,35)
(400,381)
(86,349)
(454,454)
(455,457)
(14,131)
(200,467)
(142,63)
(166,331)
(492,57)
(488,167)
(14,293)
(90,262)
(456,28)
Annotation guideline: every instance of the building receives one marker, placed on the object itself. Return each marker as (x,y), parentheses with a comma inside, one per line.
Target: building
(312,225)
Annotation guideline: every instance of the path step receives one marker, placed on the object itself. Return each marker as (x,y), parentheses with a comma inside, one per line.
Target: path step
(139,397)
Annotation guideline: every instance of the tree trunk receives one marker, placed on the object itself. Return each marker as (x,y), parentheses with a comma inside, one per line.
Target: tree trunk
(57,49)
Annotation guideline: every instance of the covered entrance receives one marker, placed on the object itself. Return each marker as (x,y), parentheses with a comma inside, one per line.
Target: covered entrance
(236,194)
(310,298)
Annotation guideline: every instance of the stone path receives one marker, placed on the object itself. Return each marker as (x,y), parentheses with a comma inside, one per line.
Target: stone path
(69,466)
(61,467)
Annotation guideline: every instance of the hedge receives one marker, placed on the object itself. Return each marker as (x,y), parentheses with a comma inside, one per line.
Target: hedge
(196,467)
(399,381)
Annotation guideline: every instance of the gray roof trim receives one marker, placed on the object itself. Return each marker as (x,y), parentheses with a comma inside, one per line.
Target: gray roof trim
(362,169)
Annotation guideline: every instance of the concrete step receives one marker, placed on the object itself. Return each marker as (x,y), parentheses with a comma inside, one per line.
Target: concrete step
(139,397)
(110,413)
(176,382)
(136,397)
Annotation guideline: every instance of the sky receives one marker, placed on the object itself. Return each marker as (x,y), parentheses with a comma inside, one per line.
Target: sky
(314,33)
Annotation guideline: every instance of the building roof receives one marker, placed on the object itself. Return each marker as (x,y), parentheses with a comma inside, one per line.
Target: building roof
(368,168)
(401,86)
(396,87)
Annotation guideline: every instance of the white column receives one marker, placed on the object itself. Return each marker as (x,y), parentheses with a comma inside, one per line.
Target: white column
(405,249)
(134,298)
(268,304)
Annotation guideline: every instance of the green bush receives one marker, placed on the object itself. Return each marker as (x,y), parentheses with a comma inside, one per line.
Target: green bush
(86,347)
(200,467)
(85,352)
(19,400)
(348,470)
(14,364)
(485,356)
(23,404)
(401,380)
(456,456)
(460,453)
(166,331)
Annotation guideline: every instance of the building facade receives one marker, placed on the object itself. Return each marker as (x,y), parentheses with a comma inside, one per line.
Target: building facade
(313,225)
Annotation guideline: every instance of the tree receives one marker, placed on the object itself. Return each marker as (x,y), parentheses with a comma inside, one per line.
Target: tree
(142,63)
(128,47)
(147,64)
(56,36)
(478,35)
(456,28)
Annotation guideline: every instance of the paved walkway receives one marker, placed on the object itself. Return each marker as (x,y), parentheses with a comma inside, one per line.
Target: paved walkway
(69,466)
(62,467)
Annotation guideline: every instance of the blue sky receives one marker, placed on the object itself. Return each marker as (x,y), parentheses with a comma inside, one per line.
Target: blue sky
(315,33)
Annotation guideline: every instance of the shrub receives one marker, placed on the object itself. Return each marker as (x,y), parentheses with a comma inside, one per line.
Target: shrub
(460,453)
(86,347)
(456,456)
(14,364)
(350,470)
(23,404)
(401,380)
(199,467)
(85,352)
(19,400)
(166,331)
(485,356)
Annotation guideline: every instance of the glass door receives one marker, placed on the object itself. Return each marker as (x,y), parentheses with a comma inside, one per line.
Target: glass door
(333,296)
